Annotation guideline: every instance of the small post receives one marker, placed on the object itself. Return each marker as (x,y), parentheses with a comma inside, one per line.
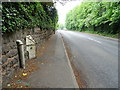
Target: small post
(54,31)
(20,48)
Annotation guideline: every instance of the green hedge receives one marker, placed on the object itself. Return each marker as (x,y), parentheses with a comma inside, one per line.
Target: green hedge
(102,15)
(21,15)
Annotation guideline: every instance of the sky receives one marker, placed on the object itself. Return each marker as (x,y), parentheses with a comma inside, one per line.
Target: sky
(64,9)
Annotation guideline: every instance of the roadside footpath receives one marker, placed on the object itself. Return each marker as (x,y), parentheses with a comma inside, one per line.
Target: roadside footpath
(55,70)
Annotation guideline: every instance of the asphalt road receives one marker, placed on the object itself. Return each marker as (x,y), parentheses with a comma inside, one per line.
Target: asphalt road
(96,58)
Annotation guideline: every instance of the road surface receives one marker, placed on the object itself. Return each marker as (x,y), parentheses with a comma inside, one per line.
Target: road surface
(96,58)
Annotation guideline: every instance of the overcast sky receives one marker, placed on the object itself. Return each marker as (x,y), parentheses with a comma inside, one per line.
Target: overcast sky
(64,9)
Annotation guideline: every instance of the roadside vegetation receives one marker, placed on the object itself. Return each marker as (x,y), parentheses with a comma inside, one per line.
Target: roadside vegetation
(60,26)
(101,18)
(21,15)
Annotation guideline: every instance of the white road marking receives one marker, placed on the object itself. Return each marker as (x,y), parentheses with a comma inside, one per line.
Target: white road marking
(94,40)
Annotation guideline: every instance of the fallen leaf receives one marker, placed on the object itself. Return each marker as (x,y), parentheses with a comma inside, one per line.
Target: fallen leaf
(24,74)
(27,84)
(8,85)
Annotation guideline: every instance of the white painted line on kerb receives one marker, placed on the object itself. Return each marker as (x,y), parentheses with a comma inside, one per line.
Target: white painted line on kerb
(95,40)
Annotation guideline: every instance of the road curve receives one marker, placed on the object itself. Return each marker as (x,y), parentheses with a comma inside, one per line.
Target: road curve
(96,57)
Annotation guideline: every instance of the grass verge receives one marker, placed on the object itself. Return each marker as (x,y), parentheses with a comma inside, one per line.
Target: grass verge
(102,34)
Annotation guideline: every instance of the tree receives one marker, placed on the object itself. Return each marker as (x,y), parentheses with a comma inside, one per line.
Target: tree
(60,26)
(95,16)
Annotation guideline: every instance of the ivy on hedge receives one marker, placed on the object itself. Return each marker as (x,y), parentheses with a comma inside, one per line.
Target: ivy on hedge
(21,15)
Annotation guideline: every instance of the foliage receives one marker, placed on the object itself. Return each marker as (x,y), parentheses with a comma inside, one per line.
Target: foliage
(21,15)
(61,26)
(96,16)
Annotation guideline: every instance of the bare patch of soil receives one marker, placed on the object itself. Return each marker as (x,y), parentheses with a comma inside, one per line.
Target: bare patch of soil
(21,75)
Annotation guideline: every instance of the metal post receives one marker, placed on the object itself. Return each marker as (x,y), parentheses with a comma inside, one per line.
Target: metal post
(20,47)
